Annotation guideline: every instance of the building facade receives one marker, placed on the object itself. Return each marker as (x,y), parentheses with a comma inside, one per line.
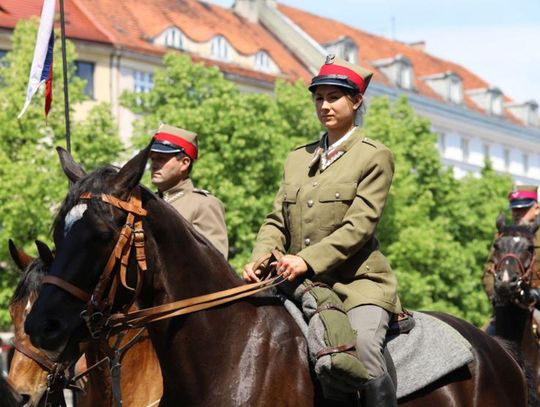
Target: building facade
(120,45)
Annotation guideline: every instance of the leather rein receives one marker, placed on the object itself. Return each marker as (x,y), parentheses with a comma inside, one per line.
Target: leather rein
(97,315)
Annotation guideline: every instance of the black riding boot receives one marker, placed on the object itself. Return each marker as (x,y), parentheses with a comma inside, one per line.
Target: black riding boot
(379,392)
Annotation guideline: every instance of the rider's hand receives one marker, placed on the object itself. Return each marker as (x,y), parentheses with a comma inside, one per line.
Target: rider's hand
(249,275)
(291,267)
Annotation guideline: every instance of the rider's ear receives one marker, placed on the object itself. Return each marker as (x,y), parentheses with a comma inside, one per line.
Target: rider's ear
(45,252)
(21,259)
(500,222)
(73,171)
(131,173)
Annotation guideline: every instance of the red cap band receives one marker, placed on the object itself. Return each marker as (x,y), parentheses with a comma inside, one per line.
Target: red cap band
(522,195)
(188,147)
(333,69)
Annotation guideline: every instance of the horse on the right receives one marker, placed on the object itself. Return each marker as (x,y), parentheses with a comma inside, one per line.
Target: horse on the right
(513,269)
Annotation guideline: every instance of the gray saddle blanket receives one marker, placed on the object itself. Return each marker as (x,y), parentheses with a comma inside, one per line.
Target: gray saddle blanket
(429,351)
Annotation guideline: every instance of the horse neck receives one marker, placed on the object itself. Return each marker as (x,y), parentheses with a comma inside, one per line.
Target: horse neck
(185,263)
(511,322)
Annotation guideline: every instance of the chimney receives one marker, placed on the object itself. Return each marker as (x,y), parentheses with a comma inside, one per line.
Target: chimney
(418,45)
(248,9)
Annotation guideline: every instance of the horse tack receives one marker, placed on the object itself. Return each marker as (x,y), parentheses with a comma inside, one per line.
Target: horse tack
(526,274)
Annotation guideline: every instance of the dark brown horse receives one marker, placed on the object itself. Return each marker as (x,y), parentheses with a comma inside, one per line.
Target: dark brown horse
(246,353)
(513,268)
(29,370)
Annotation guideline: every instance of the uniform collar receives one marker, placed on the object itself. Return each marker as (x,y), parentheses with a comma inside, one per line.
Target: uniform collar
(181,188)
(340,147)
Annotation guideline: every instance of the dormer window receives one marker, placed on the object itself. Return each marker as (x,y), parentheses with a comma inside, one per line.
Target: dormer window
(496,105)
(344,48)
(262,61)
(448,85)
(398,70)
(219,48)
(174,38)
(526,112)
(489,99)
(455,91)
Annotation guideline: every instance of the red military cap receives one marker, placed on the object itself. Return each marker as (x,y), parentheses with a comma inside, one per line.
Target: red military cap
(338,72)
(174,140)
(523,196)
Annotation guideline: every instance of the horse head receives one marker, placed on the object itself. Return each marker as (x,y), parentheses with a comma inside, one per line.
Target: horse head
(85,231)
(28,372)
(513,262)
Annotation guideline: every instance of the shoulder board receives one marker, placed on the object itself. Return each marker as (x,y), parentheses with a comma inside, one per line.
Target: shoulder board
(372,143)
(201,191)
(307,144)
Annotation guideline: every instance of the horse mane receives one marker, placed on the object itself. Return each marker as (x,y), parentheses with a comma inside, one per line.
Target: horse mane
(31,280)
(99,181)
(517,230)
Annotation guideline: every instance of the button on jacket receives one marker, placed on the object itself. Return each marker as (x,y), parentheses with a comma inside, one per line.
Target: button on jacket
(203,210)
(329,219)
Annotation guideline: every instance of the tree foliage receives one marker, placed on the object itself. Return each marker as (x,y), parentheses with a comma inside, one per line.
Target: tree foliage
(32,182)
(436,230)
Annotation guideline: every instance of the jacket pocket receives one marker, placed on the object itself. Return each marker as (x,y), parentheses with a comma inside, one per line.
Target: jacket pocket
(335,199)
(290,196)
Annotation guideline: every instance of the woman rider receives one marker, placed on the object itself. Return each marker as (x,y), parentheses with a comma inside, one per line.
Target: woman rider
(325,215)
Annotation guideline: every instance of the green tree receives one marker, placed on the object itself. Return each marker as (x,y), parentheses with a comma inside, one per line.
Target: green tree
(436,229)
(243,138)
(32,182)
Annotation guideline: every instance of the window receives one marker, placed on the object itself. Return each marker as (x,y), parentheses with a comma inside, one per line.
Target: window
(85,71)
(262,61)
(3,53)
(496,105)
(525,163)
(506,156)
(143,81)
(350,53)
(219,48)
(486,152)
(465,148)
(173,39)
(455,93)
(442,142)
(405,76)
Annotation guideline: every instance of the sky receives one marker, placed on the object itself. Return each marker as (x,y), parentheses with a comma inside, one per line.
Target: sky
(498,40)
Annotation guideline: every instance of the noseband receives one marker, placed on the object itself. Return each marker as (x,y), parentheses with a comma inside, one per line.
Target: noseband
(525,274)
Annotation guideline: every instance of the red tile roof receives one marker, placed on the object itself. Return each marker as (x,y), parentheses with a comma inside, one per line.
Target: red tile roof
(373,48)
(132,24)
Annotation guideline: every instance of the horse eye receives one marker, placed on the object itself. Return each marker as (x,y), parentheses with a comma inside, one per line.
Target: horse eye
(530,248)
(496,246)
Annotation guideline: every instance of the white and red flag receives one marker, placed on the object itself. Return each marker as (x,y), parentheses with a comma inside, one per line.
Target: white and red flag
(42,64)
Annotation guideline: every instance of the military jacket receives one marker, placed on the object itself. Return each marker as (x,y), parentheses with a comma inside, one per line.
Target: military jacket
(329,219)
(203,210)
(488,279)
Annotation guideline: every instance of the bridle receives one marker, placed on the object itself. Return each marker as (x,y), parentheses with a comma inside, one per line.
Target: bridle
(98,316)
(525,273)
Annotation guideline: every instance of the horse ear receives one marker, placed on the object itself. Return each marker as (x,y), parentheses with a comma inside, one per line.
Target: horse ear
(21,259)
(535,225)
(500,221)
(73,171)
(45,252)
(131,173)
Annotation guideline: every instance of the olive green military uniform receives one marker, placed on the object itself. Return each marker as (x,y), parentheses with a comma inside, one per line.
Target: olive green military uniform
(488,279)
(329,218)
(203,210)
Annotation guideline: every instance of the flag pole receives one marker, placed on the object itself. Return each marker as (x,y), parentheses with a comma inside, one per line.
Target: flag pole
(64,70)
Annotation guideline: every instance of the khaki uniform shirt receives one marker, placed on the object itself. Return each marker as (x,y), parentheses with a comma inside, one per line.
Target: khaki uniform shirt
(203,210)
(488,279)
(329,218)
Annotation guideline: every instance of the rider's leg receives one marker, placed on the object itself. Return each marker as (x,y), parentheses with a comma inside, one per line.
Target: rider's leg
(371,323)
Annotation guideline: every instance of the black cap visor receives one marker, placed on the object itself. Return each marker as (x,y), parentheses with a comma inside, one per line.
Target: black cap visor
(165,147)
(334,80)
(522,203)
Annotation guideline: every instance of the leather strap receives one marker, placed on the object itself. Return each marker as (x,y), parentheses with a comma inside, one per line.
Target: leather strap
(67,286)
(41,360)
(338,349)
